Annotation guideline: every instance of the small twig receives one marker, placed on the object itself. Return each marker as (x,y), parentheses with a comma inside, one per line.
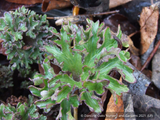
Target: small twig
(151,55)
(85,15)
(75,113)
(75,110)
(132,34)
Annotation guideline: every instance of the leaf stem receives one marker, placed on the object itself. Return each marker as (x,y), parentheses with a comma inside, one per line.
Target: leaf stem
(76,113)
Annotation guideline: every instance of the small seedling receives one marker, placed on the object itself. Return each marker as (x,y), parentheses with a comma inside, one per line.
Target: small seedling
(25,111)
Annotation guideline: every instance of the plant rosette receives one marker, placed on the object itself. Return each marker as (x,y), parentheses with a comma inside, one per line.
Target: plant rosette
(25,111)
(24,33)
(76,50)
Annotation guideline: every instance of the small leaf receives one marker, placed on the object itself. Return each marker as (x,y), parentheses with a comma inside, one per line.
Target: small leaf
(66,79)
(2,24)
(63,93)
(96,86)
(23,27)
(17,36)
(73,100)
(21,109)
(114,85)
(44,103)
(38,79)
(91,102)
(126,71)
(65,107)
(8,19)
(35,91)
(32,109)
(46,94)
(47,72)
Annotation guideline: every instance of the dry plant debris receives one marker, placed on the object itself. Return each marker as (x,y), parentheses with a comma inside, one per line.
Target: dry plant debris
(115,3)
(149,26)
(115,108)
(48,5)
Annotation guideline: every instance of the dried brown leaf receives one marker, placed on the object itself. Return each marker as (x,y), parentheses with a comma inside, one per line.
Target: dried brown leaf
(149,26)
(115,109)
(2,49)
(115,3)
(133,49)
(54,4)
(13,100)
(135,61)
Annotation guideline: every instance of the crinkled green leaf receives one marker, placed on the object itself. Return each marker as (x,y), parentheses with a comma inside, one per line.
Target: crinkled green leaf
(32,109)
(91,102)
(91,46)
(2,107)
(63,93)
(85,73)
(42,117)
(2,24)
(8,19)
(23,27)
(65,107)
(125,42)
(8,117)
(46,94)
(44,103)
(21,110)
(106,67)
(108,43)
(35,116)
(17,36)
(66,79)
(11,54)
(124,55)
(35,91)
(71,62)
(47,72)
(74,100)
(38,79)
(115,85)
(94,86)
(10,108)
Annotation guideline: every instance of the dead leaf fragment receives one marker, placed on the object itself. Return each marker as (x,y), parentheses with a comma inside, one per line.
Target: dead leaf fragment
(2,49)
(135,61)
(115,3)
(114,111)
(132,48)
(54,4)
(13,100)
(149,26)
(114,20)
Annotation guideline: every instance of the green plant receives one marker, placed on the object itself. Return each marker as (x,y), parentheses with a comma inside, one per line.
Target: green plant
(6,77)
(25,111)
(88,71)
(24,33)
